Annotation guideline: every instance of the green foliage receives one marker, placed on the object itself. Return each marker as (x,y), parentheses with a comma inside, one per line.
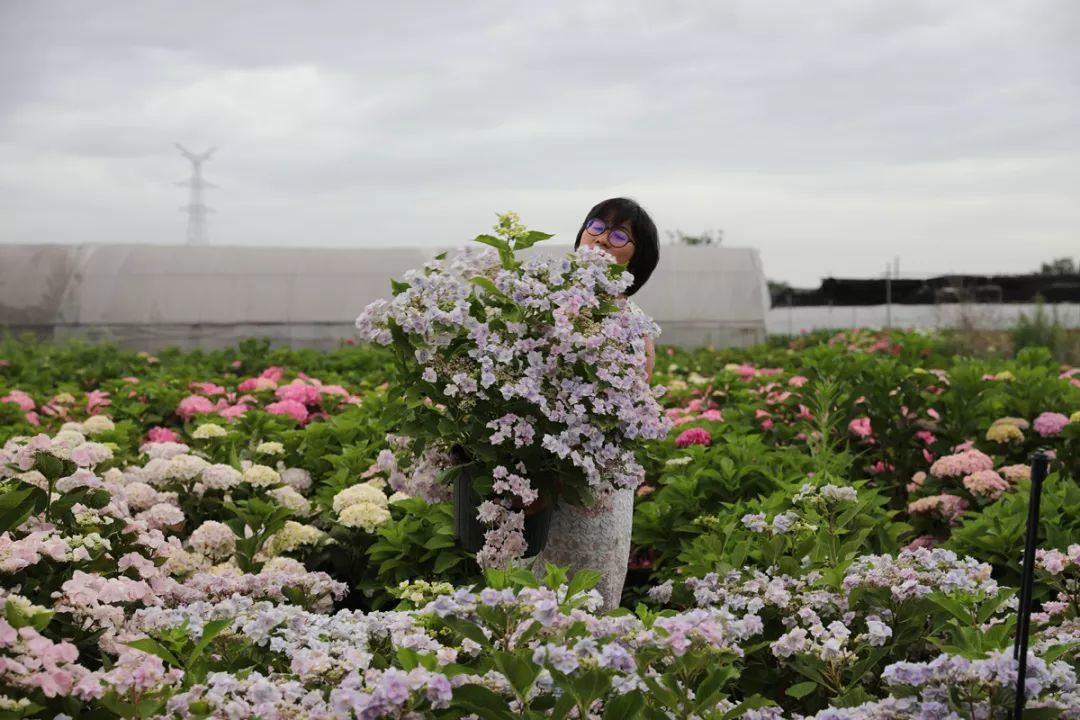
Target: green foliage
(996,533)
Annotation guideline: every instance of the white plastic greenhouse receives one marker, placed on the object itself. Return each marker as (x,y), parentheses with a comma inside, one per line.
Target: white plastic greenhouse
(152,296)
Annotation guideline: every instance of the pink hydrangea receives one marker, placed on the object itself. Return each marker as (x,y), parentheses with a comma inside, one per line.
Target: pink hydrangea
(951,507)
(194,405)
(162,435)
(299,392)
(96,399)
(986,483)
(923,541)
(20,398)
(257,383)
(1055,562)
(798,381)
(1050,424)
(712,416)
(1016,473)
(273,373)
(296,410)
(917,481)
(860,427)
(961,464)
(336,390)
(693,436)
(206,388)
(231,412)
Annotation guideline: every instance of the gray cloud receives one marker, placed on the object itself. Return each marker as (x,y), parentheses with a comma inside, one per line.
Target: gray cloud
(831,135)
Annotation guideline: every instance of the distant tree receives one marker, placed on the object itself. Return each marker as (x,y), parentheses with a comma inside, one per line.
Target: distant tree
(776,287)
(709,237)
(1059,266)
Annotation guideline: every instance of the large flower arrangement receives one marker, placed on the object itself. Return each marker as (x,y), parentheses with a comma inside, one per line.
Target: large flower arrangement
(535,368)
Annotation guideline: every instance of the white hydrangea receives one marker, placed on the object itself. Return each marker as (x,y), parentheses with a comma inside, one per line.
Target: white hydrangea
(294,535)
(208,431)
(161,516)
(365,515)
(163,450)
(839,494)
(261,476)
(214,540)
(186,467)
(362,493)
(71,433)
(140,496)
(156,472)
(97,424)
(298,479)
(35,478)
(221,477)
(270,448)
(292,500)
(182,563)
(283,566)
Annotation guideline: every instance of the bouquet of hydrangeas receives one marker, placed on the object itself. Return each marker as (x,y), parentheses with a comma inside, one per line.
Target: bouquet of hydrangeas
(530,372)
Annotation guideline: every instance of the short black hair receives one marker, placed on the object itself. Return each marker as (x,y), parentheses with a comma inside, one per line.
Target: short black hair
(617,211)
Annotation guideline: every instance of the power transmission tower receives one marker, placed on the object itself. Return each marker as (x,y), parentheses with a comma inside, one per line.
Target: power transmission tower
(196,209)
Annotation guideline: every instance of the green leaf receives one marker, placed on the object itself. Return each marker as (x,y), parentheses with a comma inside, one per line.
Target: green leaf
(488,286)
(439,542)
(801,690)
(530,238)
(407,658)
(497,243)
(398,287)
(624,707)
(15,507)
(590,685)
(520,673)
(483,702)
(582,581)
(751,703)
(446,560)
(153,647)
(467,629)
(210,631)
(49,465)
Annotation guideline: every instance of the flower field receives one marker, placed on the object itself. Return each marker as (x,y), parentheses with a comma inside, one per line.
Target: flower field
(833,528)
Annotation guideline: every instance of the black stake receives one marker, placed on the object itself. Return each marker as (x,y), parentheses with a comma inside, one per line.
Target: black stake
(1039,464)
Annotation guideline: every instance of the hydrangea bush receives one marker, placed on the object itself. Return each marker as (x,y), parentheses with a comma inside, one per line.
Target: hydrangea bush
(533,370)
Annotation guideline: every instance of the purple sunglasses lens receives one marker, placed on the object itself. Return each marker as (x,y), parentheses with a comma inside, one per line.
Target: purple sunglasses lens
(618,238)
(596,226)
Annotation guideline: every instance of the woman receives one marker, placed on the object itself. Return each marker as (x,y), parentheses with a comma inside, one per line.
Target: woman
(579,537)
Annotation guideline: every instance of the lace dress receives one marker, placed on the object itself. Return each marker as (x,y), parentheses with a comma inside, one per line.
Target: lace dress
(587,538)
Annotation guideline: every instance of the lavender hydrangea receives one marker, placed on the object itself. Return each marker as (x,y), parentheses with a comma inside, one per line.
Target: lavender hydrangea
(482,332)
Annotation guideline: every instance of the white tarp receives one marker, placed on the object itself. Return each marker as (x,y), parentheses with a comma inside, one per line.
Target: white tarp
(150,296)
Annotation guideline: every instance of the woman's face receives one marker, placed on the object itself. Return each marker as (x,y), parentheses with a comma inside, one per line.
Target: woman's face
(622,254)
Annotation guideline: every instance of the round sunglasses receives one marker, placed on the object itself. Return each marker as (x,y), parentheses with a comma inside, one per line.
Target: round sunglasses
(617,238)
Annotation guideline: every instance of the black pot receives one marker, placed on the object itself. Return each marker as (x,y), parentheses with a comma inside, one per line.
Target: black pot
(469,531)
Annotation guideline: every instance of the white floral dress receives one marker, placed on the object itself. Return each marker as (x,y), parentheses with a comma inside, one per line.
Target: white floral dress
(594,539)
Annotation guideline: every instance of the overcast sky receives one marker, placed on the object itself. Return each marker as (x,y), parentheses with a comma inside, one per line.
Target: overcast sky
(830,135)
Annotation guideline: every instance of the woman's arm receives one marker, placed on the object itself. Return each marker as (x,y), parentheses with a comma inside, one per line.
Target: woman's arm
(650,357)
